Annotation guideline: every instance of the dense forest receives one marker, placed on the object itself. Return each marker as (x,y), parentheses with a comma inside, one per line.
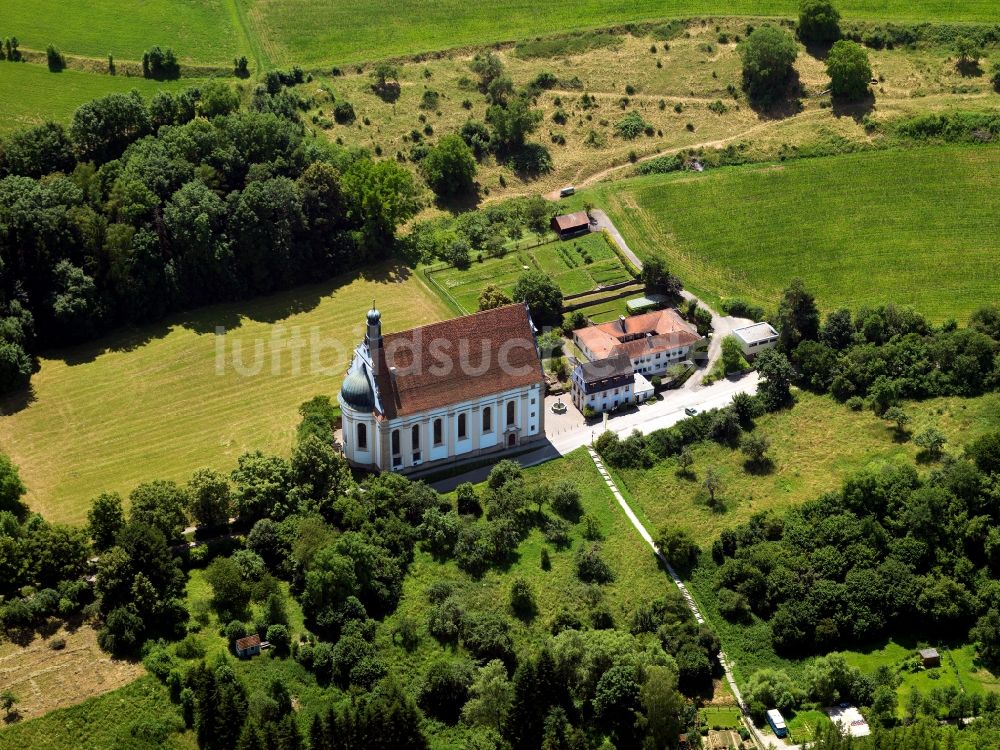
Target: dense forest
(141,208)
(342,549)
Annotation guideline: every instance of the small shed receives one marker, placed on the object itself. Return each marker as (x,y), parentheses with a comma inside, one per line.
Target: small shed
(570,225)
(249,646)
(930,657)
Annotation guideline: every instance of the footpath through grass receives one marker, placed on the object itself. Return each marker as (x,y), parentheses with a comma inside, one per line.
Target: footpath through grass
(152,403)
(919,227)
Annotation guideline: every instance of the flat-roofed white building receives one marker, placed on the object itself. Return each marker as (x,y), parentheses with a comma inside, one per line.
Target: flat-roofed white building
(754,339)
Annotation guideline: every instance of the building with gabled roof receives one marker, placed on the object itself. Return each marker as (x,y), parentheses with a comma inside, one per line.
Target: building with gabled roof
(569,225)
(603,384)
(444,391)
(248,646)
(653,341)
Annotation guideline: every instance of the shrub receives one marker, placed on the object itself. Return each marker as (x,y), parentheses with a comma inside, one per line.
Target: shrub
(819,21)
(591,567)
(280,639)
(343,113)
(190,648)
(445,688)
(522,599)
(56,60)
(631,126)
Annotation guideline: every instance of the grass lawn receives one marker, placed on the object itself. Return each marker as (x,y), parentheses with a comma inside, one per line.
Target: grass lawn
(313,32)
(918,227)
(151,403)
(958,667)
(200,31)
(566,262)
(32,95)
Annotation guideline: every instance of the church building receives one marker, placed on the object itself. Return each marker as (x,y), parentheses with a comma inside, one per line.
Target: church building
(446,391)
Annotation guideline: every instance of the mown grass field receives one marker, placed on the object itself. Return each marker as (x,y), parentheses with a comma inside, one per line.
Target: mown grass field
(44,678)
(814,446)
(576,265)
(32,95)
(313,32)
(149,403)
(918,227)
(200,31)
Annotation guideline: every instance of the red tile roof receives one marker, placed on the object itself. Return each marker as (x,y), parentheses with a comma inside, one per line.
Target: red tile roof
(571,221)
(249,642)
(650,333)
(457,360)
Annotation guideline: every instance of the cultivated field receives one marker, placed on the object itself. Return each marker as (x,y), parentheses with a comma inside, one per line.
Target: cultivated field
(32,95)
(313,32)
(150,404)
(918,227)
(44,678)
(577,265)
(814,446)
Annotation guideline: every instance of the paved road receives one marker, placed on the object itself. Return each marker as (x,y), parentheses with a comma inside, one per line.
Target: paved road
(645,419)
(722,325)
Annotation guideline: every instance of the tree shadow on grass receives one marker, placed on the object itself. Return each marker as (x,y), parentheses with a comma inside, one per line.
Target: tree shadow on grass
(227,316)
(818,50)
(761,468)
(969,68)
(856,110)
(13,717)
(786,104)
(461,203)
(18,400)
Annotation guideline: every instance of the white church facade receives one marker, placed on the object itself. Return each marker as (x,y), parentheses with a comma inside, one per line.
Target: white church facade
(443,392)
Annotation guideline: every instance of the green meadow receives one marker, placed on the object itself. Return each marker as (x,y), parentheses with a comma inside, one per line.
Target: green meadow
(200,31)
(32,95)
(314,32)
(919,227)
